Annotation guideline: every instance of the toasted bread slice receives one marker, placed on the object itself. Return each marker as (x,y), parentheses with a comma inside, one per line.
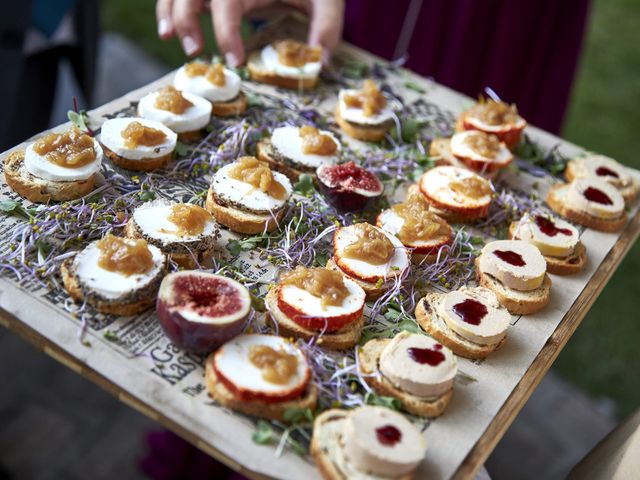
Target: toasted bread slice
(190,137)
(256,408)
(184,254)
(231,108)
(373,290)
(142,165)
(556,199)
(326,449)
(366,133)
(429,320)
(369,359)
(561,265)
(629,192)
(40,190)
(239,221)
(133,303)
(265,152)
(259,73)
(516,301)
(440,149)
(342,339)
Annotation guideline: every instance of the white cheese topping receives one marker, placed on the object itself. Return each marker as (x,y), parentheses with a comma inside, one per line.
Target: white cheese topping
(408,374)
(111,137)
(600,166)
(436,183)
(269,57)
(38,166)
(356,115)
(288,142)
(578,189)
(204,88)
(518,277)
(193,118)
(558,245)
(460,148)
(113,285)
(245,194)
(478,124)
(311,305)
(392,223)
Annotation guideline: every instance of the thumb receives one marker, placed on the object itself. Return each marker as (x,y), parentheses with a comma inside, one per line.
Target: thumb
(327,17)
(227,15)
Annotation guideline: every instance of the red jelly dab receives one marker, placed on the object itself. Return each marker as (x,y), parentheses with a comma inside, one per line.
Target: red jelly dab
(510,257)
(549,228)
(470,311)
(606,172)
(596,195)
(388,435)
(432,357)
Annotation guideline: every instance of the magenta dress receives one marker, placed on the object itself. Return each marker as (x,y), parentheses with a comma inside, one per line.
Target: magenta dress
(527,51)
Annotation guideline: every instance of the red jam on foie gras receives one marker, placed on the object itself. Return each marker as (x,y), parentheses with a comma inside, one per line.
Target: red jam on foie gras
(258,174)
(296,54)
(388,435)
(429,356)
(190,219)
(510,257)
(214,73)
(549,228)
(71,149)
(371,245)
(276,366)
(137,134)
(606,172)
(317,143)
(124,256)
(171,100)
(370,99)
(598,196)
(470,311)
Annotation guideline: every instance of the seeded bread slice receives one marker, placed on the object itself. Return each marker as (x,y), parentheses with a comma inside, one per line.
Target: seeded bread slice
(256,408)
(556,198)
(239,221)
(430,321)
(561,265)
(133,303)
(342,339)
(369,361)
(231,108)
(142,165)
(629,193)
(40,190)
(373,290)
(266,153)
(260,73)
(326,447)
(366,133)
(516,301)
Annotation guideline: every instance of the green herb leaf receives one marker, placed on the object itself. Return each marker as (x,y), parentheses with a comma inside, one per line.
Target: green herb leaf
(410,326)
(147,195)
(304,185)
(298,415)
(257,303)
(321,258)
(380,401)
(79,119)
(415,87)
(11,207)
(354,69)
(264,434)
(110,336)
(182,149)
(254,100)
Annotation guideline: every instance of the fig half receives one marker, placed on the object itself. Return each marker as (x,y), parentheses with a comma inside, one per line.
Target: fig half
(347,186)
(199,311)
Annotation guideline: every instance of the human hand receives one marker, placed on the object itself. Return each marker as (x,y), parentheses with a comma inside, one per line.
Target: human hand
(181,17)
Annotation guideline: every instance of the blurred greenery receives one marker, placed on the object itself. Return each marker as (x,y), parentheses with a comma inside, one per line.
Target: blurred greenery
(602,356)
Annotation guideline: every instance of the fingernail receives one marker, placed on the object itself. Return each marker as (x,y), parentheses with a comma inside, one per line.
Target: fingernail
(163,27)
(231,60)
(189,45)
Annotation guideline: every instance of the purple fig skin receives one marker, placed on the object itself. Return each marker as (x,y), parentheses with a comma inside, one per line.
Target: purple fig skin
(345,200)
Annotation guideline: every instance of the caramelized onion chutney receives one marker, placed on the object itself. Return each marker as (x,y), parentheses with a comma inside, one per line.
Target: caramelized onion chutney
(124,256)
(190,219)
(471,187)
(371,245)
(137,134)
(484,144)
(370,99)
(172,100)
(317,143)
(296,54)
(494,113)
(326,284)
(71,149)
(419,223)
(258,174)
(277,366)
(212,72)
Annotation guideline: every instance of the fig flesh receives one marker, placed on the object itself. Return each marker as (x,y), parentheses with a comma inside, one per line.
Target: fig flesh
(348,187)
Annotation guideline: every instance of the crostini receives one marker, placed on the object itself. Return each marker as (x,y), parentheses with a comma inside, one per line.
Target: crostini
(295,150)
(469,321)
(604,168)
(558,241)
(366,443)
(370,256)
(496,118)
(516,272)
(184,232)
(221,86)
(57,167)
(185,113)
(364,114)
(115,275)
(456,194)
(260,375)
(137,143)
(286,64)
(246,196)
(423,232)
(591,202)
(318,302)
(413,368)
